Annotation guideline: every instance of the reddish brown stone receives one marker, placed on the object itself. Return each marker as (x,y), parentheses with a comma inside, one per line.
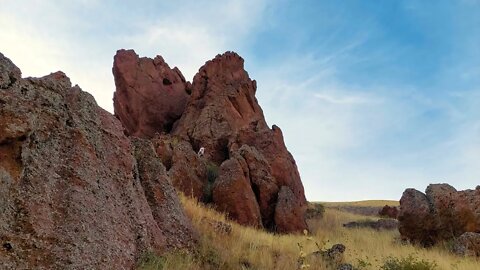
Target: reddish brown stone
(70,194)
(162,198)
(468,244)
(441,214)
(223,115)
(233,194)
(263,184)
(269,142)
(186,169)
(289,212)
(149,96)
(222,102)
(388,211)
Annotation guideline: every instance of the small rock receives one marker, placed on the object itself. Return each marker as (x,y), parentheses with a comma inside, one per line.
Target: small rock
(381,224)
(389,211)
(468,244)
(345,266)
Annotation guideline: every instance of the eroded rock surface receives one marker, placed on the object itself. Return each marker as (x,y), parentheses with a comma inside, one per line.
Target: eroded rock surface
(442,213)
(72,193)
(233,194)
(149,96)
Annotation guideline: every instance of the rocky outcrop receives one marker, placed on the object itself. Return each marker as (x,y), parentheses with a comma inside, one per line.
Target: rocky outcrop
(221,104)
(223,116)
(149,96)
(388,211)
(73,194)
(442,213)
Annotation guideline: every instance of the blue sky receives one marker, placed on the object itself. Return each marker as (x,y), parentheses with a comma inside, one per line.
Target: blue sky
(372,96)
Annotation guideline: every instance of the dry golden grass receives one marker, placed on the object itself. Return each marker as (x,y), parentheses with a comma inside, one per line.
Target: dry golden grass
(367,203)
(373,246)
(248,248)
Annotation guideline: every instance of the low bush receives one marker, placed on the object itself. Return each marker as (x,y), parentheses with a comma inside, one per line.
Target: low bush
(408,263)
(212,174)
(315,210)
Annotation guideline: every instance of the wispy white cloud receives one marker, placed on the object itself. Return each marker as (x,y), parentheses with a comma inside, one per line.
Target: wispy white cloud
(343,99)
(43,39)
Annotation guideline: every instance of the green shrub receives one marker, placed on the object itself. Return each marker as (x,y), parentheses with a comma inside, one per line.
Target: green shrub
(407,263)
(363,264)
(151,261)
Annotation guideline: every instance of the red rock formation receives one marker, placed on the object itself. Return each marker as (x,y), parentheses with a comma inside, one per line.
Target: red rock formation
(150,96)
(71,196)
(222,103)
(441,214)
(223,116)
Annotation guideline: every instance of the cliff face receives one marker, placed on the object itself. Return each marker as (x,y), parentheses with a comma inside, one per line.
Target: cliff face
(258,180)
(75,193)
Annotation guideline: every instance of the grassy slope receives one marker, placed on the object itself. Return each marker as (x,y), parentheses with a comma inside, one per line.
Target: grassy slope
(247,248)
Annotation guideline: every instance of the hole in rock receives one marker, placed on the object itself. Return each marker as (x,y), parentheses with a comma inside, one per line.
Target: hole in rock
(7,246)
(166,81)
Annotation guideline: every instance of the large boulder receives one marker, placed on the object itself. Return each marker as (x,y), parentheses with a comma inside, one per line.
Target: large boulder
(468,244)
(289,212)
(442,213)
(233,194)
(149,96)
(72,193)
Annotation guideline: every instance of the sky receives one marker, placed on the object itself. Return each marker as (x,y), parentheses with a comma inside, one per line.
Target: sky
(373,97)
